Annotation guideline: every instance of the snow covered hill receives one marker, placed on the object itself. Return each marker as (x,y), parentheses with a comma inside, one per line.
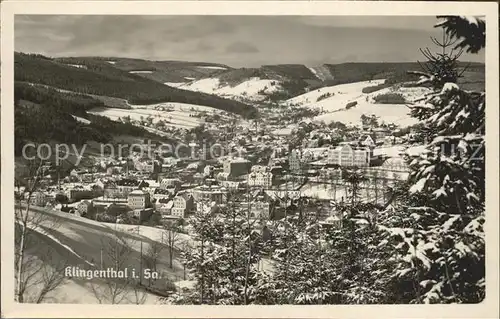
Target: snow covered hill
(176,115)
(78,242)
(253,89)
(333,95)
(334,99)
(268,82)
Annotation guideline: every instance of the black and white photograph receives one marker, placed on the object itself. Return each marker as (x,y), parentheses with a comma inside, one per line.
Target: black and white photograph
(250,159)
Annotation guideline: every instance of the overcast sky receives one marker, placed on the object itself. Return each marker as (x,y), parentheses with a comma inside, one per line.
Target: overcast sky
(234,40)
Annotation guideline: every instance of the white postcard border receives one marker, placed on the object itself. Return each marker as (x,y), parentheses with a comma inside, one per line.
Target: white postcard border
(487,309)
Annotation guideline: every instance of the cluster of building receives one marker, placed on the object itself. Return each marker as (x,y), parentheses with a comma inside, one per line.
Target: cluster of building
(249,177)
(196,187)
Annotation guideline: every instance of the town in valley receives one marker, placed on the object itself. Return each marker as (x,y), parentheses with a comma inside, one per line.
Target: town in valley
(273,184)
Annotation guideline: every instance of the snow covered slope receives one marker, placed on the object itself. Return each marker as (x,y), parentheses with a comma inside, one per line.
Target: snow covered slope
(321,72)
(333,101)
(268,82)
(212,67)
(253,89)
(141,72)
(340,94)
(81,119)
(178,115)
(175,84)
(77,242)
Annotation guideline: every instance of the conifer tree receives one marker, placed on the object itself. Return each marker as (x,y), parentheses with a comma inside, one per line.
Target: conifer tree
(438,230)
(224,261)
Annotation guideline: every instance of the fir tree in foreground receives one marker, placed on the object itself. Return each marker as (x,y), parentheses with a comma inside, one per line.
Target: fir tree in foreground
(438,230)
(224,260)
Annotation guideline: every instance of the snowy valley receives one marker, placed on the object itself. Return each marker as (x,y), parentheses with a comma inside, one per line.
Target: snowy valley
(171,182)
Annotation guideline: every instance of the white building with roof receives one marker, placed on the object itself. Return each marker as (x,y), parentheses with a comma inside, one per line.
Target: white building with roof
(151,183)
(182,204)
(138,199)
(258,209)
(259,169)
(368,141)
(106,201)
(222,176)
(37,199)
(209,194)
(346,155)
(260,179)
(193,166)
(230,185)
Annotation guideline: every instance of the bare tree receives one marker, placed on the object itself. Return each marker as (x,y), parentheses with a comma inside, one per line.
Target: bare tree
(150,258)
(51,277)
(170,237)
(35,276)
(117,253)
(139,295)
(41,276)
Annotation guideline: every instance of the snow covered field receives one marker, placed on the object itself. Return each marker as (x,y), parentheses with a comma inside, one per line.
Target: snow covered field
(175,84)
(172,114)
(342,94)
(339,192)
(81,119)
(389,113)
(141,72)
(323,191)
(80,292)
(390,151)
(174,106)
(78,66)
(154,233)
(212,67)
(173,119)
(254,89)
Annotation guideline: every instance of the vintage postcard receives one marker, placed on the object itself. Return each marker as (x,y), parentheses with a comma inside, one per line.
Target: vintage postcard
(249,159)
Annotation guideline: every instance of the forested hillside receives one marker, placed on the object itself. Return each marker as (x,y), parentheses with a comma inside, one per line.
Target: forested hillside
(101,78)
(473,78)
(45,115)
(160,71)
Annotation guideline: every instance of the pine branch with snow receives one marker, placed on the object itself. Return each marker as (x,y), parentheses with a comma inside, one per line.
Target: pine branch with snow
(437,231)
(469,30)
